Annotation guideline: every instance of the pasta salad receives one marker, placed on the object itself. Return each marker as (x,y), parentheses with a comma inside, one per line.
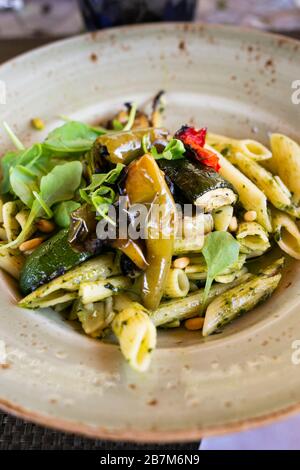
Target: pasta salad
(126,228)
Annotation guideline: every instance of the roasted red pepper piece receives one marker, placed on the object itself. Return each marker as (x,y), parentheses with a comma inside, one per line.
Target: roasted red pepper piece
(194,140)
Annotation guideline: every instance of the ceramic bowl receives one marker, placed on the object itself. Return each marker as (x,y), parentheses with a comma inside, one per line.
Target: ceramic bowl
(236,82)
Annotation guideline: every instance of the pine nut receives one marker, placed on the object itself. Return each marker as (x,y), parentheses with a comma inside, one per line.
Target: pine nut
(233,224)
(250,216)
(31,244)
(194,323)
(45,226)
(37,124)
(181,263)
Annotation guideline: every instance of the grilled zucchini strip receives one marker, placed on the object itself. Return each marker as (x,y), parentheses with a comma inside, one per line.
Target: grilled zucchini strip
(136,334)
(250,196)
(241,299)
(199,184)
(286,163)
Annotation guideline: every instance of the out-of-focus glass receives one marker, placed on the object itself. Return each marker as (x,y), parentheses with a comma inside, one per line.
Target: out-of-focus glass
(99,14)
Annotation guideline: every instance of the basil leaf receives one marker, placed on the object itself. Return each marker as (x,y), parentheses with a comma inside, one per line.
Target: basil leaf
(23,182)
(8,161)
(62,212)
(220,251)
(173,151)
(72,137)
(61,183)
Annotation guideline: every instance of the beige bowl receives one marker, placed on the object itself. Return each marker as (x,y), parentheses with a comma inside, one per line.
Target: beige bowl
(236,82)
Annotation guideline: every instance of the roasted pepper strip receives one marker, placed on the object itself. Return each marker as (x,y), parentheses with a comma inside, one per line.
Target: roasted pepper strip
(145,184)
(133,250)
(194,140)
(123,147)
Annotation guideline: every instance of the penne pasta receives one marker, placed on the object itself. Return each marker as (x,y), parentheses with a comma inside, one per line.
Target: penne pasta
(253,149)
(251,197)
(100,290)
(57,297)
(252,237)
(249,147)
(97,268)
(286,163)
(11,226)
(222,218)
(136,334)
(177,284)
(12,263)
(286,233)
(94,317)
(189,306)
(275,190)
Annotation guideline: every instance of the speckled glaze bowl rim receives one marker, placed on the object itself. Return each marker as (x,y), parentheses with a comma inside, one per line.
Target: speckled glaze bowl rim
(125,434)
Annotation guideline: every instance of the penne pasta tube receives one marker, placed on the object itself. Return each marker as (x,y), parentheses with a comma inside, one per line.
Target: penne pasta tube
(253,237)
(50,300)
(272,186)
(237,301)
(222,218)
(286,163)
(253,149)
(97,268)
(100,290)
(242,298)
(11,226)
(94,317)
(251,197)
(189,306)
(286,233)
(177,284)
(136,334)
(12,263)
(190,235)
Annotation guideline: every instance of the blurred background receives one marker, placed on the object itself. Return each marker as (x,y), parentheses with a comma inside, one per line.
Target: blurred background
(28,23)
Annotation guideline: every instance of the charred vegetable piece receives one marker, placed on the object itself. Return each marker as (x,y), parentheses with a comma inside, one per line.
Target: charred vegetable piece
(133,250)
(146,184)
(242,298)
(200,184)
(123,147)
(194,141)
(51,259)
(82,232)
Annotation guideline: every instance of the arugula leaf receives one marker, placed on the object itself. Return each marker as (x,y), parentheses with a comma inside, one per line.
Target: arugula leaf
(30,158)
(23,182)
(98,194)
(62,212)
(220,251)
(173,151)
(58,185)
(8,161)
(72,137)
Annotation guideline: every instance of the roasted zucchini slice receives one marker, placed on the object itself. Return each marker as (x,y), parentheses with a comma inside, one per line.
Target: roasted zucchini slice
(199,184)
